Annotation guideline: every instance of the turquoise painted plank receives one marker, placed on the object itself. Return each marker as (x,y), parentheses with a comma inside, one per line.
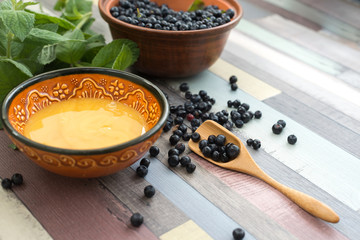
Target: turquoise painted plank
(205,214)
(313,157)
(290,48)
(323,19)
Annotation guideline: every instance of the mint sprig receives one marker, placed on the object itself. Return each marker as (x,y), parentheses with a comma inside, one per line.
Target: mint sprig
(35,42)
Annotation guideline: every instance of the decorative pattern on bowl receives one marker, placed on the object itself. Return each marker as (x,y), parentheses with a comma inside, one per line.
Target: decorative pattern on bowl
(94,162)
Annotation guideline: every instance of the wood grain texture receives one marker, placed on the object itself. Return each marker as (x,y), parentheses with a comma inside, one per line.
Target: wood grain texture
(289,48)
(324,87)
(160,215)
(267,72)
(187,231)
(342,10)
(309,39)
(313,158)
(16,220)
(68,208)
(335,25)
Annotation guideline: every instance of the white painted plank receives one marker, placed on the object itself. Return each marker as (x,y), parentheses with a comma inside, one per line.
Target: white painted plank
(16,222)
(324,87)
(313,157)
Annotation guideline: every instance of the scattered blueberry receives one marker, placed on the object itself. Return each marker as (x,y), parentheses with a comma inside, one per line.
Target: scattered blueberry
(256,144)
(17,179)
(185,160)
(184,87)
(173,160)
(249,142)
(154,151)
(174,139)
(277,128)
(142,171)
(149,191)
(136,219)
(186,137)
(238,234)
(145,162)
(292,139)
(234,86)
(6,183)
(190,167)
(282,123)
(173,151)
(258,114)
(233,79)
(180,147)
(195,137)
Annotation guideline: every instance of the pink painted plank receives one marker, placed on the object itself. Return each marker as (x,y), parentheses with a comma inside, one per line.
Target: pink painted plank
(283,211)
(69,208)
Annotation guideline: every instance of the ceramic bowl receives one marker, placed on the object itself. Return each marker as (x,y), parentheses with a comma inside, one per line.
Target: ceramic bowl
(171,54)
(61,85)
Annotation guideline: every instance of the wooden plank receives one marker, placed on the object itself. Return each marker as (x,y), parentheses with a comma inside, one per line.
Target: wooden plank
(160,215)
(257,88)
(68,208)
(289,48)
(17,221)
(337,134)
(337,52)
(313,158)
(340,28)
(268,72)
(350,77)
(337,94)
(342,10)
(283,12)
(186,231)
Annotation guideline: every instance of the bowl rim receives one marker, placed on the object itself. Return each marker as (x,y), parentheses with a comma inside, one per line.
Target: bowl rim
(159,95)
(113,21)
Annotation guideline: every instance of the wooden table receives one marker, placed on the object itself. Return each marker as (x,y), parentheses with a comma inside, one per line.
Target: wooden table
(296,60)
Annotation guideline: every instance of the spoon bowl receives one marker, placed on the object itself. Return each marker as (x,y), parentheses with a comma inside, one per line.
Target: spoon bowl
(244,163)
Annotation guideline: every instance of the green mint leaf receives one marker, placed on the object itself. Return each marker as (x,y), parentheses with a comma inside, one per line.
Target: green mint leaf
(22,5)
(52,27)
(19,23)
(6,5)
(13,146)
(18,65)
(71,11)
(45,36)
(123,60)
(47,54)
(196,5)
(60,5)
(71,51)
(43,19)
(3,39)
(109,53)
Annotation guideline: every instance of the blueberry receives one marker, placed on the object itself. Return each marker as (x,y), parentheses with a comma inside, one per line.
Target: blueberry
(203,143)
(173,151)
(277,128)
(216,156)
(220,140)
(174,139)
(185,160)
(17,179)
(142,171)
(238,234)
(282,123)
(249,142)
(233,79)
(180,147)
(145,162)
(174,160)
(178,132)
(229,103)
(190,168)
(241,110)
(239,123)
(173,109)
(178,120)
(236,103)
(246,106)
(233,151)
(154,151)
(188,94)
(195,137)
(195,122)
(183,128)
(292,139)
(211,138)
(246,117)
(256,144)
(186,137)
(234,86)
(206,151)
(224,158)
(149,191)
(136,219)
(258,114)
(6,183)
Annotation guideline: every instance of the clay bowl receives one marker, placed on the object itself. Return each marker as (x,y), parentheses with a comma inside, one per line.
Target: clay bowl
(61,85)
(171,54)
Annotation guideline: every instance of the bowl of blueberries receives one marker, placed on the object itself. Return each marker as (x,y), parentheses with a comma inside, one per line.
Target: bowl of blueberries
(176,38)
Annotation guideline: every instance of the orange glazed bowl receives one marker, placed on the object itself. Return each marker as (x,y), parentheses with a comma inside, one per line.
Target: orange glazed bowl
(60,85)
(172,54)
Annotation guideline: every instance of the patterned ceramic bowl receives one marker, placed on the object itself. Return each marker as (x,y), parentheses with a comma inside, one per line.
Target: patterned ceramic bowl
(61,85)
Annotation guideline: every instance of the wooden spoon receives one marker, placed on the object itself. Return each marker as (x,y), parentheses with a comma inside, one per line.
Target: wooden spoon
(244,163)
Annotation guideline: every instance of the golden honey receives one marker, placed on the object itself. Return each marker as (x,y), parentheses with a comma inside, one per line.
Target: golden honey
(85,123)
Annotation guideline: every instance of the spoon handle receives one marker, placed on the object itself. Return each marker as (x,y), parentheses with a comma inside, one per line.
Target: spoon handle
(306,202)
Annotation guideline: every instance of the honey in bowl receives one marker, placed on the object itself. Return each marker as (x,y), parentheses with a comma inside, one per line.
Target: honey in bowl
(85,123)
